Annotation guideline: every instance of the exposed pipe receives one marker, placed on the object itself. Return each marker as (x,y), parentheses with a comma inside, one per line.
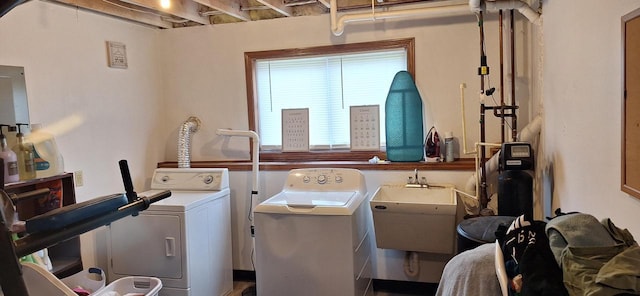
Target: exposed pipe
(433,9)
(502,109)
(514,119)
(482,71)
(411,264)
(521,6)
(444,8)
(527,134)
(255,147)
(464,122)
(184,141)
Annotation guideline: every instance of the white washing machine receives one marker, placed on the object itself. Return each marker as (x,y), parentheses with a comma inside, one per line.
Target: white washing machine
(312,237)
(184,240)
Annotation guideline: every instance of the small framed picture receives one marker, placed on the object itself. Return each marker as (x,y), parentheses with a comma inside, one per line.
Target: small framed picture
(117,53)
(365,128)
(295,130)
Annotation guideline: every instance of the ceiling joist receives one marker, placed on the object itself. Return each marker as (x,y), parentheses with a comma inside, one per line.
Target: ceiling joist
(187,10)
(121,10)
(278,6)
(229,7)
(326,3)
(184,13)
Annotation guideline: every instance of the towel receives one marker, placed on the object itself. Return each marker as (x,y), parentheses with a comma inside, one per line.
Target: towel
(471,273)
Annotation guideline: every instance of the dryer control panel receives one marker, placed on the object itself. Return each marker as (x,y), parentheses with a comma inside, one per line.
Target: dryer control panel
(197,179)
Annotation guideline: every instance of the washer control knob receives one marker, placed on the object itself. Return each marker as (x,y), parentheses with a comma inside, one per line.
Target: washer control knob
(306,179)
(208,179)
(322,179)
(165,179)
(338,179)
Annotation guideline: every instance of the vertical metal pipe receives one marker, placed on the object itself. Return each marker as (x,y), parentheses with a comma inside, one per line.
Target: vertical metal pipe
(502,120)
(483,176)
(514,118)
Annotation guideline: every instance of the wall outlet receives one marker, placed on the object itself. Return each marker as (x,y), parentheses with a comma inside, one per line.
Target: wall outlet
(78,178)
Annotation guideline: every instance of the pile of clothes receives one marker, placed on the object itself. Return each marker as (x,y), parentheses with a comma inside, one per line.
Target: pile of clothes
(572,254)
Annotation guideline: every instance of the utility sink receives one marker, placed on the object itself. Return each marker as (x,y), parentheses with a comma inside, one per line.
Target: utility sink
(415,218)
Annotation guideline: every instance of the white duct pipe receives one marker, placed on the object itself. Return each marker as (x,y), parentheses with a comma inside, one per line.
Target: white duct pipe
(254,171)
(433,9)
(521,6)
(464,122)
(184,141)
(445,8)
(256,145)
(531,131)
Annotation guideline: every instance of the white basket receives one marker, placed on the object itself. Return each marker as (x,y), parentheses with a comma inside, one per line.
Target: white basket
(130,286)
(40,281)
(92,280)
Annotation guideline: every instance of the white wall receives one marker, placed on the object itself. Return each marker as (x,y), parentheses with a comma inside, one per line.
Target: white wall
(582,99)
(135,113)
(64,55)
(205,77)
(205,74)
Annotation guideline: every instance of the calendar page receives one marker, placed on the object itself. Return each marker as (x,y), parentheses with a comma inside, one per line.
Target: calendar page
(295,130)
(365,128)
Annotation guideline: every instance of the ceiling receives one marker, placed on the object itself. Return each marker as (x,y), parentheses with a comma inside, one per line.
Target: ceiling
(186,13)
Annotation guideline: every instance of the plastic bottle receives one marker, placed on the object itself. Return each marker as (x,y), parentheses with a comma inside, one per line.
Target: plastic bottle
(48,160)
(24,151)
(448,147)
(10,159)
(403,120)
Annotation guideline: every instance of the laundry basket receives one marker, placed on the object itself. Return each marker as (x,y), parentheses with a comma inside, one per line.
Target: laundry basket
(40,281)
(130,286)
(90,280)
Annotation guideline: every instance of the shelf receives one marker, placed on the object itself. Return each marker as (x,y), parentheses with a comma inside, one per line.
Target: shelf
(65,256)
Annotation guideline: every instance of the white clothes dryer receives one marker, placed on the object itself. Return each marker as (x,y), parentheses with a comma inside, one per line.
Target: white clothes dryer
(184,240)
(312,238)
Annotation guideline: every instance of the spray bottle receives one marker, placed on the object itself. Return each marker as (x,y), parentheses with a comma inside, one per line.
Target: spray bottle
(10,159)
(24,151)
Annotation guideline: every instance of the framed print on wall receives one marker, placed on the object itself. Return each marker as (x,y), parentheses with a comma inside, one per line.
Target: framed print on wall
(117,54)
(295,130)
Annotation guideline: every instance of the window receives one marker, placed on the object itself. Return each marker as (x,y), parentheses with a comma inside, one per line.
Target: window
(327,80)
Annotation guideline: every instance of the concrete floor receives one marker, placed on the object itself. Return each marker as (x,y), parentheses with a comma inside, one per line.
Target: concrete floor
(240,286)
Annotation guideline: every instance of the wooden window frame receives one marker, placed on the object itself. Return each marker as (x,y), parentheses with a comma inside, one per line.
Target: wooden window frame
(630,181)
(250,58)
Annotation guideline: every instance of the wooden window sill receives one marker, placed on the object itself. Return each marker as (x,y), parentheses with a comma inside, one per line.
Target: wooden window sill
(464,164)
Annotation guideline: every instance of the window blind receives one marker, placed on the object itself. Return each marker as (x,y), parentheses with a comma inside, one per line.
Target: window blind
(328,86)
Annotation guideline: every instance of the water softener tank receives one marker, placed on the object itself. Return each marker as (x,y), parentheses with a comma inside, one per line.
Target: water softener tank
(403,120)
(515,181)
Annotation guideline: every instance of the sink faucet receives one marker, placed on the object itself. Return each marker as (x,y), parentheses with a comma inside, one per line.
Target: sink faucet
(416,182)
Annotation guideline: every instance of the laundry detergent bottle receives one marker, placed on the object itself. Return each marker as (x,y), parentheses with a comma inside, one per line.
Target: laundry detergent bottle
(10,159)
(47,159)
(24,151)
(403,120)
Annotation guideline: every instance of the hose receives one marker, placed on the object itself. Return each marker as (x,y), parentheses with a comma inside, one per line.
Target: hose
(411,264)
